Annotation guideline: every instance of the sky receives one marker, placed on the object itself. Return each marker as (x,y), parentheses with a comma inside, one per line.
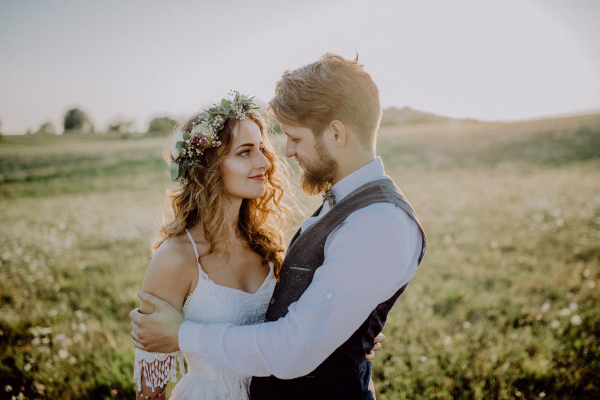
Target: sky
(134,60)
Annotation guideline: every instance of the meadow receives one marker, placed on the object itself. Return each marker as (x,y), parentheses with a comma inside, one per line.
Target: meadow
(504,306)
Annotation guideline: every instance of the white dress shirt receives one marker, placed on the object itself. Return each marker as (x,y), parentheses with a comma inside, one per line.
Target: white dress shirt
(368,258)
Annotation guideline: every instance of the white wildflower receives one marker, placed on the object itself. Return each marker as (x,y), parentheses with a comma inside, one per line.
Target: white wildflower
(545,307)
(555,324)
(576,320)
(560,222)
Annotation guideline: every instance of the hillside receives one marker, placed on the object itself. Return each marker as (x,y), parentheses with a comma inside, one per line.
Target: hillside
(408,116)
(451,142)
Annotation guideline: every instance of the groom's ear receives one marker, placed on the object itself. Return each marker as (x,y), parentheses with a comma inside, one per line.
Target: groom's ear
(338,133)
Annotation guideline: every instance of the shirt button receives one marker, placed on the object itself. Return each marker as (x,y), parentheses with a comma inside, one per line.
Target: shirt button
(329,295)
(273,300)
(266,319)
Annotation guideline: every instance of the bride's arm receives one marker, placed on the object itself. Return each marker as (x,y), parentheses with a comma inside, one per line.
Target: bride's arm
(169,277)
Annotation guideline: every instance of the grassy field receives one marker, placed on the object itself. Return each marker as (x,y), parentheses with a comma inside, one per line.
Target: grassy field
(505,304)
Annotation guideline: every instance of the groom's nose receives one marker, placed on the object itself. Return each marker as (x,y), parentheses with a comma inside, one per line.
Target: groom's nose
(290,148)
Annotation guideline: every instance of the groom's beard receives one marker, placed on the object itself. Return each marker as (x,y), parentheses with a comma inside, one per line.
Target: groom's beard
(315,178)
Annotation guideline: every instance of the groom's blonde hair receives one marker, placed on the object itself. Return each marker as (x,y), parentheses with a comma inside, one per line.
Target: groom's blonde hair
(332,88)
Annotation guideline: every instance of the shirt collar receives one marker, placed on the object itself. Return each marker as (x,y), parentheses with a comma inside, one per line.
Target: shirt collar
(368,173)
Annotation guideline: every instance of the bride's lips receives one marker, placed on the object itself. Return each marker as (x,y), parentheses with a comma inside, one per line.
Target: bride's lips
(260,177)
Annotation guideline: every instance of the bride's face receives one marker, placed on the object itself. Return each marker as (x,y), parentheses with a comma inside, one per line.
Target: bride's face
(243,169)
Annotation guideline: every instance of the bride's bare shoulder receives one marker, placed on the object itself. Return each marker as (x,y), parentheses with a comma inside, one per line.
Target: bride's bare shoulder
(175,255)
(171,272)
(174,247)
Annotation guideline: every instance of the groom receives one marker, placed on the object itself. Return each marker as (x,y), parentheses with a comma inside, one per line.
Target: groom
(345,267)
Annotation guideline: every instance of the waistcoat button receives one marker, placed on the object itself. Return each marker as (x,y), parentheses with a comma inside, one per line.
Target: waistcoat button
(273,300)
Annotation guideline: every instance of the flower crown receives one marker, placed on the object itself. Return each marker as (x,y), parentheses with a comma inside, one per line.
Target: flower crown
(188,147)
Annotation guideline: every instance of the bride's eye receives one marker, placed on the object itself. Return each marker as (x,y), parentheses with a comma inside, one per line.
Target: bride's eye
(244,153)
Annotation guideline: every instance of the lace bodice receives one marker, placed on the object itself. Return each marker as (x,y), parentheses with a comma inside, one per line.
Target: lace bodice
(208,303)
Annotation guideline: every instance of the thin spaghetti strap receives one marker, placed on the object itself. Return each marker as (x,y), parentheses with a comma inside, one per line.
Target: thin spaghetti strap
(195,248)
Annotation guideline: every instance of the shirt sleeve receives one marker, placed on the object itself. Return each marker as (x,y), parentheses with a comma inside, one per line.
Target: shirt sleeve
(367,259)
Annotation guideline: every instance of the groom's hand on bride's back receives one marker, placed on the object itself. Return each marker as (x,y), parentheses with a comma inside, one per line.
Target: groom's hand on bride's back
(157,332)
(376,346)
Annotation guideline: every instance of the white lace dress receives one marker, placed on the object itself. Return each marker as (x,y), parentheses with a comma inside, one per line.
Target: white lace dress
(208,303)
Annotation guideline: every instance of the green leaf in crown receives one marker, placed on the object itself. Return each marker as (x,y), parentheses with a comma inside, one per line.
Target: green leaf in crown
(174,169)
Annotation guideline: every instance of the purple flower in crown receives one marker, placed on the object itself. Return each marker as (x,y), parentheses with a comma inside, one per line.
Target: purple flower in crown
(199,141)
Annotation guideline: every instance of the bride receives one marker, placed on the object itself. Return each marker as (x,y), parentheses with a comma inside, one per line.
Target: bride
(220,251)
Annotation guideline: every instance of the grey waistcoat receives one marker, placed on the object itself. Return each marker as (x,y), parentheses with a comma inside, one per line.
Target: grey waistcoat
(345,374)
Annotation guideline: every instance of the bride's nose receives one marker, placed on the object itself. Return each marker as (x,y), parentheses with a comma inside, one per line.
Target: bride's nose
(262,163)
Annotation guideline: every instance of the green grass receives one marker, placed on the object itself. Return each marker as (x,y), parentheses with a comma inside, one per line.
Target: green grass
(505,304)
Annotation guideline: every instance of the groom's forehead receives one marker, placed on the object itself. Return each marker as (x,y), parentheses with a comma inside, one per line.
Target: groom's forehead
(293,130)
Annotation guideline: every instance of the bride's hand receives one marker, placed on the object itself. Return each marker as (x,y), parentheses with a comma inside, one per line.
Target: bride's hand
(376,347)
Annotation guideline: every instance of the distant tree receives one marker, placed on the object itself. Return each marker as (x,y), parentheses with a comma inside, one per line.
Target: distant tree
(120,125)
(76,120)
(161,126)
(47,128)
(0,129)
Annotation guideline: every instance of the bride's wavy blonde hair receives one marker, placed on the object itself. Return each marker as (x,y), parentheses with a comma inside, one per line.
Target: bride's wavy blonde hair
(201,200)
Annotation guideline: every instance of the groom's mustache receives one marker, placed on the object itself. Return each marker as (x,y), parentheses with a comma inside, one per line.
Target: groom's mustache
(300,162)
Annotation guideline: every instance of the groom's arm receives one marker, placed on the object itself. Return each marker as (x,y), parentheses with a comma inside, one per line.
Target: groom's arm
(368,258)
